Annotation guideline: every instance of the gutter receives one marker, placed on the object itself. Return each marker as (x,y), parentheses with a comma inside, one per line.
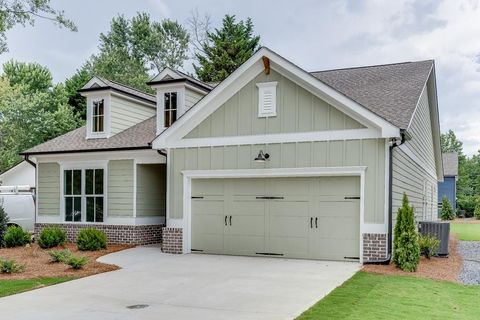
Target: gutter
(393,144)
(27,159)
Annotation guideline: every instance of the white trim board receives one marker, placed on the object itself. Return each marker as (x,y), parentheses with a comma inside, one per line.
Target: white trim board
(188,175)
(247,72)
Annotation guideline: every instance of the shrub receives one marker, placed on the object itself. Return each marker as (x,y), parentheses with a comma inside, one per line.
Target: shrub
(428,245)
(466,203)
(3,225)
(11,266)
(77,262)
(476,212)
(447,211)
(60,255)
(91,239)
(405,245)
(51,237)
(16,237)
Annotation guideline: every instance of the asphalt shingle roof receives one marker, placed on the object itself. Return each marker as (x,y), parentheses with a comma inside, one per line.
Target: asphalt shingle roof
(450,164)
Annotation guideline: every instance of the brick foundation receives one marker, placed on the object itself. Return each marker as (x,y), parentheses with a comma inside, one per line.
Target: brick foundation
(124,234)
(172,240)
(374,246)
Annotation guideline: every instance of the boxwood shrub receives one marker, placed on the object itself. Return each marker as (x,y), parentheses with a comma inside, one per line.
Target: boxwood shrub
(51,237)
(16,237)
(91,239)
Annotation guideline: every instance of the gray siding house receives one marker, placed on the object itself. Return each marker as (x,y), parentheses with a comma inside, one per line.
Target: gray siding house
(448,188)
(272,161)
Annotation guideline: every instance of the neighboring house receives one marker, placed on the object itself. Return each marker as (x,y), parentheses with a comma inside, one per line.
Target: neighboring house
(273,161)
(448,188)
(23,174)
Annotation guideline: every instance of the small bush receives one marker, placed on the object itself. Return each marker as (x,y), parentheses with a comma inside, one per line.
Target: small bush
(405,245)
(446,211)
(16,237)
(51,237)
(11,266)
(428,245)
(77,262)
(476,212)
(91,239)
(60,255)
(3,225)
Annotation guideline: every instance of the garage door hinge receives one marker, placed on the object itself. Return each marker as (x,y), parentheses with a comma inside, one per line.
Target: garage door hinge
(197,197)
(352,198)
(196,250)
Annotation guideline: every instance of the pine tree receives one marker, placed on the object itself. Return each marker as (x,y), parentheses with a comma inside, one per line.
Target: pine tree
(226,49)
(3,224)
(447,211)
(405,245)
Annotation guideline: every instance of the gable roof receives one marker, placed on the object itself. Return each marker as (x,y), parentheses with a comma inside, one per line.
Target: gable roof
(98,83)
(138,136)
(169,75)
(390,91)
(450,164)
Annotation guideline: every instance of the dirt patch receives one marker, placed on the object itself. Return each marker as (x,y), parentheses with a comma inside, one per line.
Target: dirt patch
(37,262)
(435,268)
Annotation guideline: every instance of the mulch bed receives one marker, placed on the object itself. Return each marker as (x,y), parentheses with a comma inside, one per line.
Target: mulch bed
(466,221)
(435,268)
(37,262)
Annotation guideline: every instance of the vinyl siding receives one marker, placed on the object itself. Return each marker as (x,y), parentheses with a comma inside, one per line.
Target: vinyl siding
(297,111)
(448,188)
(370,153)
(151,190)
(125,113)
(120,188)
(48,189)
(191,97)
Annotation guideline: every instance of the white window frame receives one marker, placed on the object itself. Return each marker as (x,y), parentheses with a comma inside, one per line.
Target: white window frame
(263,88)
(161,90)
(170,109)
(91,98)
(96,117)
(83,166)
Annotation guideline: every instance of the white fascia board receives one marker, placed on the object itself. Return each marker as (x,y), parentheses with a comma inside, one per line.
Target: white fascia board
(245,73)
(350,134)
(141,156)
(94,80)
(166,72)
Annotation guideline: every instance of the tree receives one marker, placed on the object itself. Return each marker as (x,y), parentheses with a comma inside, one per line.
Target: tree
(450,143)
(32,76)
(226,49)
(446,211)
(21,12)
(3,224)
(134,49)
(75,99)
(406,248)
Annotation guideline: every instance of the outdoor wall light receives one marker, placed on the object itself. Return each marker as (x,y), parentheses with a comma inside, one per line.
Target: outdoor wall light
(262,157)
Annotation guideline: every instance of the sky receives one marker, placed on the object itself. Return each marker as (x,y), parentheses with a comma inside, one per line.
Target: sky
(316,35)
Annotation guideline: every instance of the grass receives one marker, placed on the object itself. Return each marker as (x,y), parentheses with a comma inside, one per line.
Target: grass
(9,287)
(372,296)
(466,231)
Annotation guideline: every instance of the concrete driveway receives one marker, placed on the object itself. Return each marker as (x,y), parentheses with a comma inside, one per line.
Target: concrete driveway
(185,287)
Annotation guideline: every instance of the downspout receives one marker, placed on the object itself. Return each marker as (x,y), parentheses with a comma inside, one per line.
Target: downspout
(393,144)
(27,159)
(162,152)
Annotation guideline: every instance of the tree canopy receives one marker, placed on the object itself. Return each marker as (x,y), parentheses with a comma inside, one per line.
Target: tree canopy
(14,12)
(225,49)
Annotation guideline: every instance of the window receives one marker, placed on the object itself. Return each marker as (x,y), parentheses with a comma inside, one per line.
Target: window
(98,116)
(267,99)
(84,195)
(170,107)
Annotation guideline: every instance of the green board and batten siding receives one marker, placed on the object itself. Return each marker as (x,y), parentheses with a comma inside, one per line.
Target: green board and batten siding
(48,189)
(297,111)
(409,176)
(151,190)
(120,188)
(125,113)
(370,153)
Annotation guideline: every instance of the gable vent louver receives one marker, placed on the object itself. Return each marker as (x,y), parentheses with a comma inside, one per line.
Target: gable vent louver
(267,99)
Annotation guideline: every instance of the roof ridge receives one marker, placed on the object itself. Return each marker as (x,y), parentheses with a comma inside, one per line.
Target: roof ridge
(372,66)
(126,86)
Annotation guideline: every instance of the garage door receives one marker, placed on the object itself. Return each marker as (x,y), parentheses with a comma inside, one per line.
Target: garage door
(315,218)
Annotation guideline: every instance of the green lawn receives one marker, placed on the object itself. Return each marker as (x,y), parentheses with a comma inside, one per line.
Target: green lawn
(371,296)
(466,231)
(8,287)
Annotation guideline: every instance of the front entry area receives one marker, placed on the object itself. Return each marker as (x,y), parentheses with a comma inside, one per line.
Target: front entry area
(312,217)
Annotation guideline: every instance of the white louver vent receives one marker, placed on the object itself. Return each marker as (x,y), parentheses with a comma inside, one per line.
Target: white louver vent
(267,99)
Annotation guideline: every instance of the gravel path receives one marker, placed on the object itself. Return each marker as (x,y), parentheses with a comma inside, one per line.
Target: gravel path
(470,251)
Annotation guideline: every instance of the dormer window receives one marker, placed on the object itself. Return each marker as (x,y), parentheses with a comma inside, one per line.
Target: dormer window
(98,116)
(170,108)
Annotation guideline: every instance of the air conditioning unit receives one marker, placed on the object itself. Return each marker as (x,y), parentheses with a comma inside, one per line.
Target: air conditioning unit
(438,229)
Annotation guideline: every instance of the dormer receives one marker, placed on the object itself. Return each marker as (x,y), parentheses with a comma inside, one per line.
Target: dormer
(113,107)
(176,93)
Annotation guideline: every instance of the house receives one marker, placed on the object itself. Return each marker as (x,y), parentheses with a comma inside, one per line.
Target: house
(272,161)
(448,188)
(22,174)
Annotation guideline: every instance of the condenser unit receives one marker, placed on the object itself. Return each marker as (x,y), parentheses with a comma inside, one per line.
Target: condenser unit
(438,229)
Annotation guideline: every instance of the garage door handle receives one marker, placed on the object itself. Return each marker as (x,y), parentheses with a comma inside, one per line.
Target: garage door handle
(311,222)
(225,220)
(230,220)
(316,221)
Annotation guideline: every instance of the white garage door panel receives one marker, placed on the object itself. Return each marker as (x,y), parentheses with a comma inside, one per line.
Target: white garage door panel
(301,217)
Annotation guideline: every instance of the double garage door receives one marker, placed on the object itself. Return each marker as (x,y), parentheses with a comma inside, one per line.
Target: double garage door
(313,218)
